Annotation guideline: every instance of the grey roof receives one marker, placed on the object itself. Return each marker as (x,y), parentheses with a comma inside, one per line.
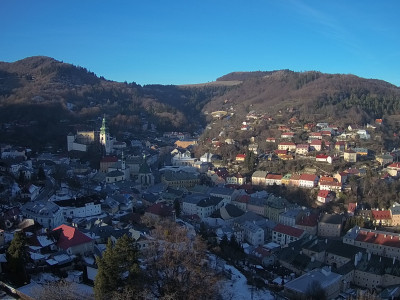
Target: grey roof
(212,201)
(180,175)
(40,208)
(115,173)
(194,198)
(326,279)
(222,191)
(331,219)
(344,250)
(252,226)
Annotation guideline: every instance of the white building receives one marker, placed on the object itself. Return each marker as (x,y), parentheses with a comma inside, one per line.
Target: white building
(80,207)
(253,234)
(46,213)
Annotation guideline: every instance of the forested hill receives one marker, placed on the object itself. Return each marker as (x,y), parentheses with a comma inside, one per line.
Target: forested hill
(328,96)
(54,95)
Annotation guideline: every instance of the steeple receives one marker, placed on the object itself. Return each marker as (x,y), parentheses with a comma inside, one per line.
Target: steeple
(123,166)
(103,128)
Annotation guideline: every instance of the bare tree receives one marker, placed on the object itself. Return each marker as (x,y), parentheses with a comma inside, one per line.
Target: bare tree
(177,267)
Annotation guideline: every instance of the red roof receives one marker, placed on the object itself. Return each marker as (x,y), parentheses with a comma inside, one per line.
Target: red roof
(70,236)
(316,142)
(302,146)
(109,159)
(322,156)
(381,214)
(323,179)
(160,209)
(288,230)
(394,165)
(385,239)
(352,207)
(323,193)
(241,156)
(243,199)
(315,134)
(274,176)
(308,177)
(310,220)
(287,144)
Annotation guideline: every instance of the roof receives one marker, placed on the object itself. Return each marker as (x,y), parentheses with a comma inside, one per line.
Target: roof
(323,193)
(380,238)
(395,165)
(381,214)
(287,144)
(289,230)
(352,207)
(310,220)
(323,156)
(241,156)
(274,176)
(109,159)
(70,237)
(331,219)
(308,177)
(160,209)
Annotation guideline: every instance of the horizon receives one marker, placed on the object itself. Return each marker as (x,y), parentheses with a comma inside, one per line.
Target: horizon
(190,43)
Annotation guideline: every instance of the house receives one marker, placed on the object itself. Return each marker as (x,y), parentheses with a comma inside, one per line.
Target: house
(253,148)
(315,136)
(384,159)
(350,156)
(228,195)
(206,207)
(284,235)
(294,180)
(382,217)
(308,180)
(272,179)
(323,158)
(393,169)
(330,225)
(351,208)
(341,177)
(340,146)
(258,178)
(329,281)
(81,207)
(73,241)
(46,213)
(286,179)
(287,135)
(361,151)
(270,140)
(288,146)
(330,185)
(159,211)
(30,192)
(240,157)
(308,222)
(182,157)
(302,149)
(107,162)
(253,234)
(290,216)
(325,196)
(363,134)
(236,179)
(189,203)
(179,179)
(316,145)
(395,212)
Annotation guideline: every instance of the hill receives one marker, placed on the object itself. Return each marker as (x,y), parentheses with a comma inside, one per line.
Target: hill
(42,93)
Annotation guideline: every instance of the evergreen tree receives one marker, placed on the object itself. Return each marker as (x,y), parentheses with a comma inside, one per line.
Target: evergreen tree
(41,174)
(177,207)
(118,269)
(17,258)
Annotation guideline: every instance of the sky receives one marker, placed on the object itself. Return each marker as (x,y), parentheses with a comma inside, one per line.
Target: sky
(187,41)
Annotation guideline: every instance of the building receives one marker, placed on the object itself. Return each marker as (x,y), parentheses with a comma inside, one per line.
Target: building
(82,207)
(180,179)
(302,149)
(350,156)
(308,180)
(376,242)
(284,235)
(46,213)
(73,241)
(330,225)
(258,178)
(329,281)
(253,234)
(325,196)
(381,217)
(272,179)
(290,216)
(288,146)
(395,212)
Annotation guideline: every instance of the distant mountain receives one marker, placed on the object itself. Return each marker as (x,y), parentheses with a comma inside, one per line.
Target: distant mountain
(54,95)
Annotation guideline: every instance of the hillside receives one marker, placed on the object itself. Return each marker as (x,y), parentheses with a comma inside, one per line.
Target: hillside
(45,93)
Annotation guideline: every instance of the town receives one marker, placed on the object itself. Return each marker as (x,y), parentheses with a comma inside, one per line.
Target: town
(296,207)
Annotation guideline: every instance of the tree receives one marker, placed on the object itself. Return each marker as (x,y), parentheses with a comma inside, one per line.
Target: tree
(17,258)
(177,207)
(177,265)
(59,290)
(315,291)
(41,174)
(118,269)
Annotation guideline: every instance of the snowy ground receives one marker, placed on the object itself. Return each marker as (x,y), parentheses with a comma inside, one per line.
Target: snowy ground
(237,288)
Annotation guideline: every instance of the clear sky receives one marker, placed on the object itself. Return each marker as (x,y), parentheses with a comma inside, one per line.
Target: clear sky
(187,41)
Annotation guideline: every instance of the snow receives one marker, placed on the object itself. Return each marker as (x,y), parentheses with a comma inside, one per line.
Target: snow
(237,288)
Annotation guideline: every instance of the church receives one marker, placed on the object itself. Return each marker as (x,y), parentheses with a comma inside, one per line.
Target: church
(82,139)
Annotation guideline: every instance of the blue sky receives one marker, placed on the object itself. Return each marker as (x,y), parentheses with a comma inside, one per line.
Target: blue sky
(187,41)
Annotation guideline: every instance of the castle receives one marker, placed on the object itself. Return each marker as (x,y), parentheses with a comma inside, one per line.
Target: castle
(82,139)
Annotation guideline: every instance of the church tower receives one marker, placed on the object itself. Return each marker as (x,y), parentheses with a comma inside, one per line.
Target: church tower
(105,138)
